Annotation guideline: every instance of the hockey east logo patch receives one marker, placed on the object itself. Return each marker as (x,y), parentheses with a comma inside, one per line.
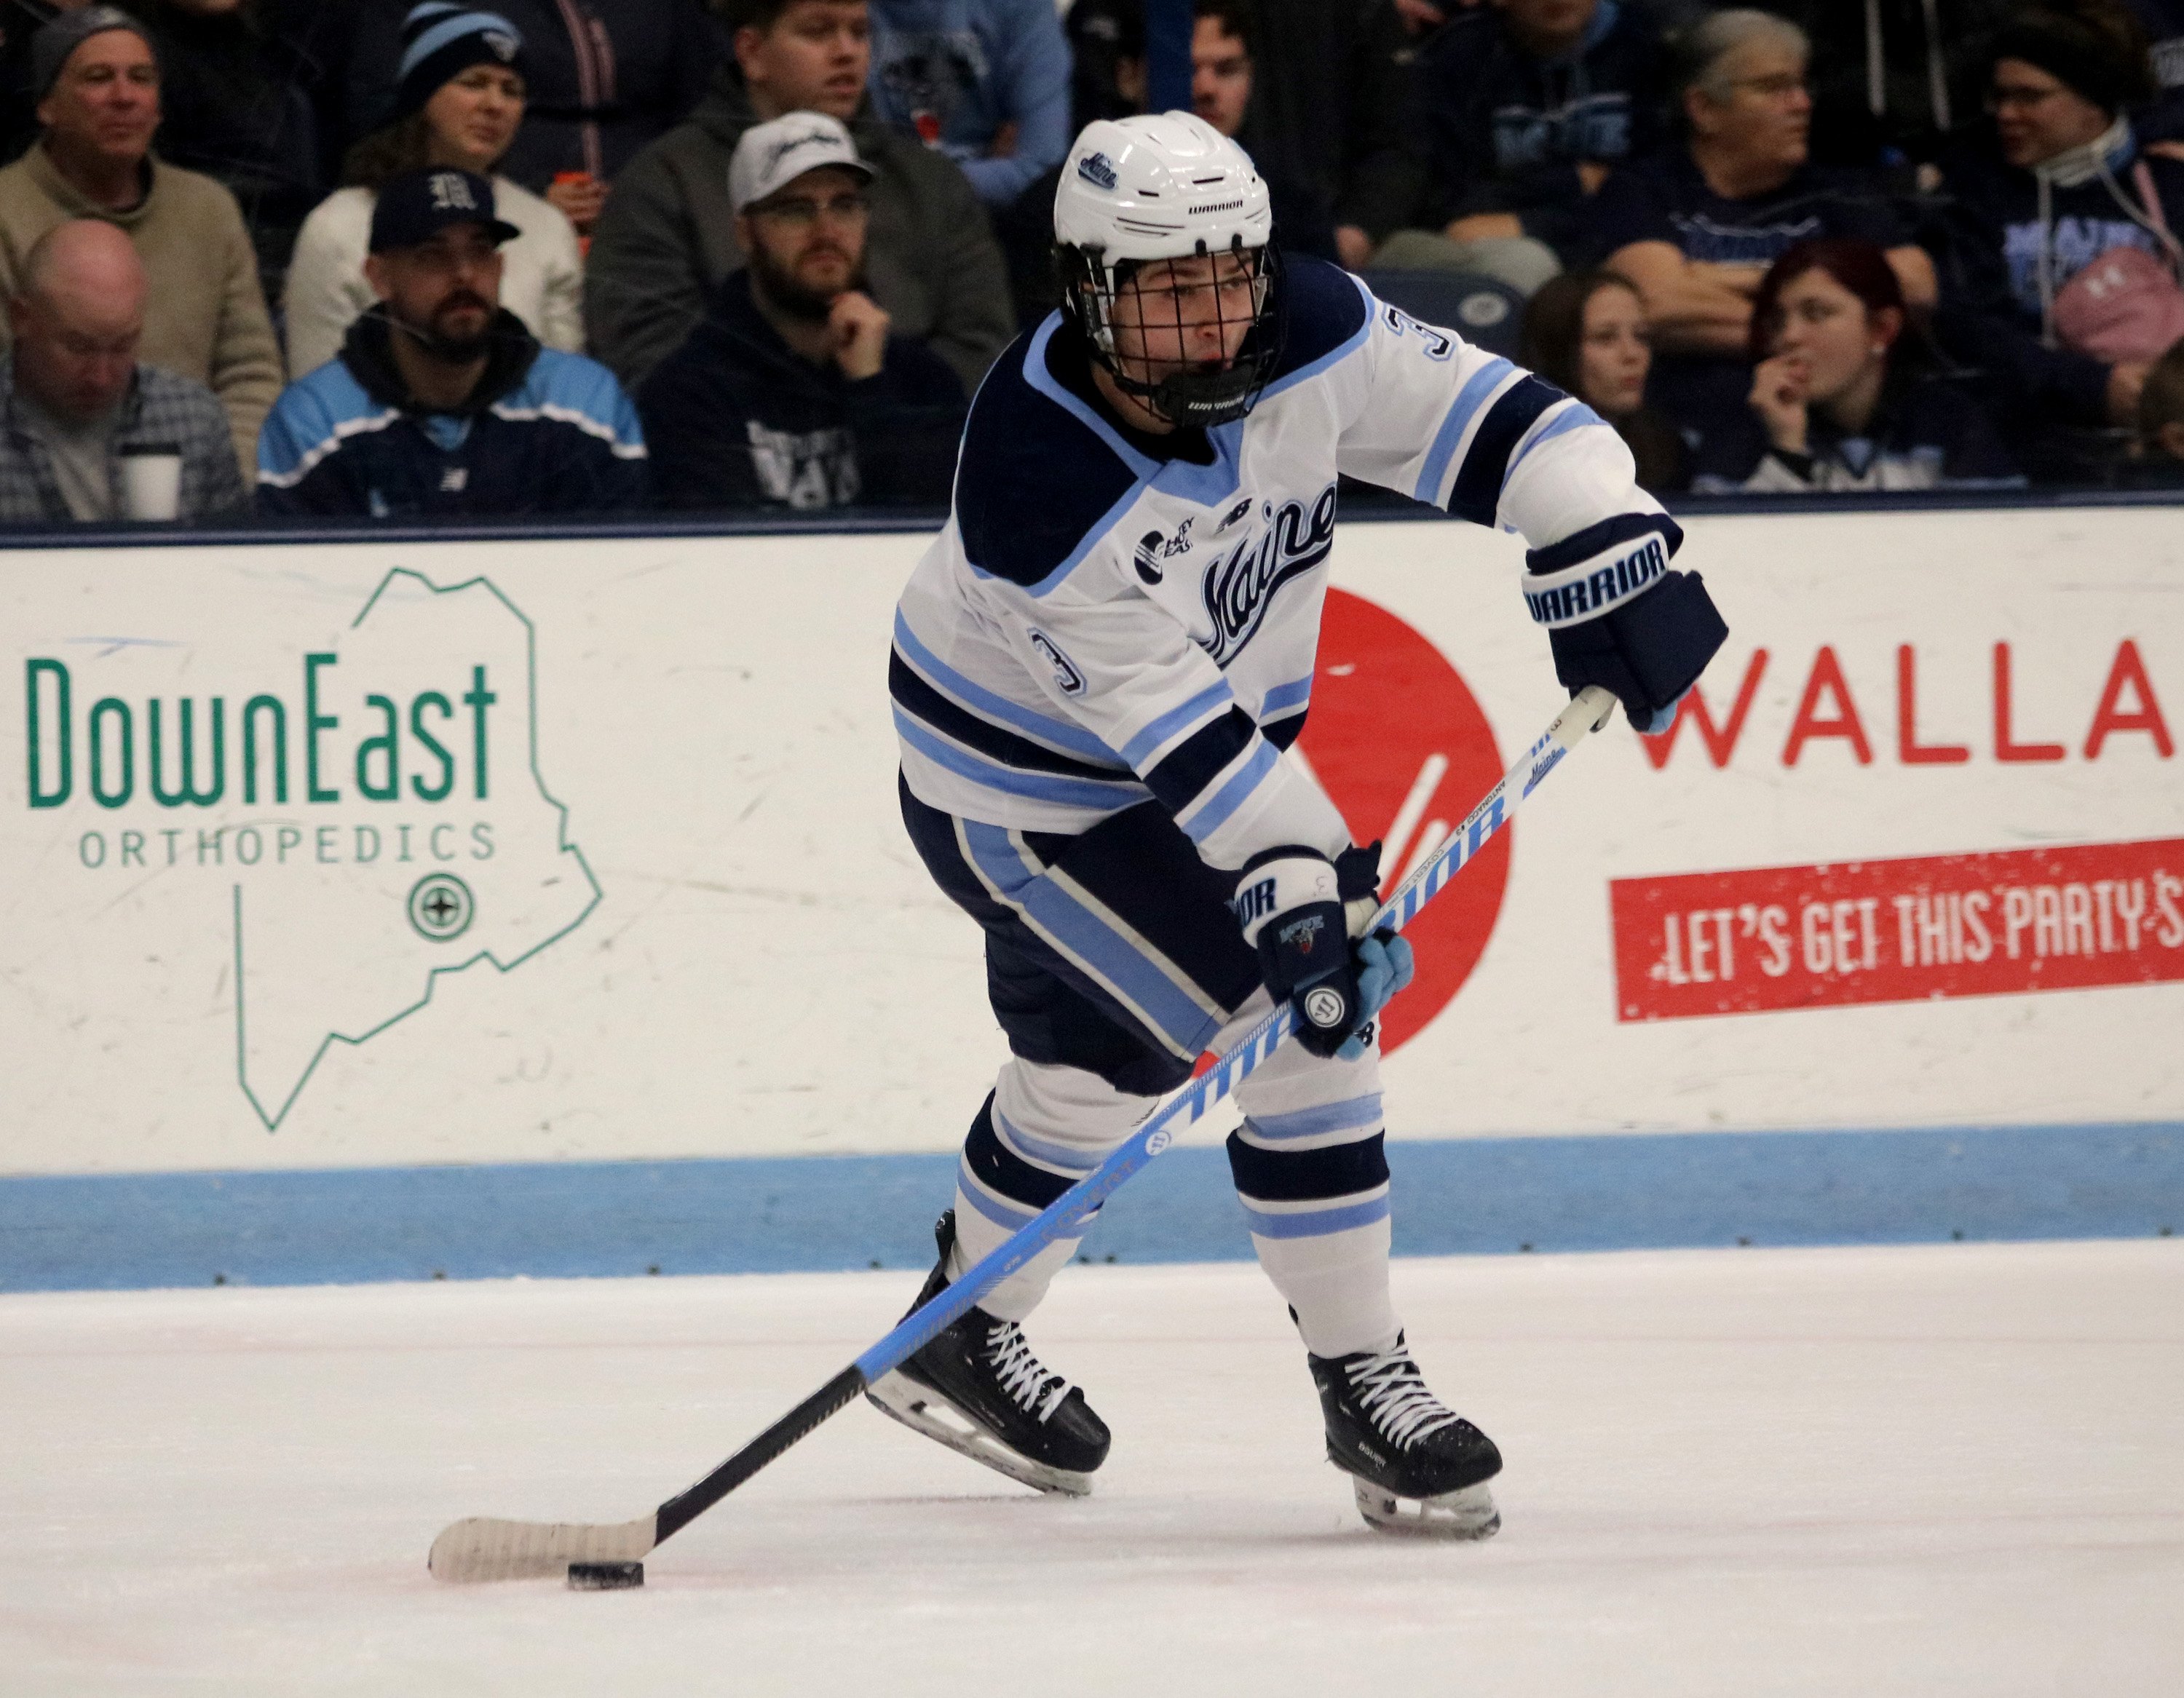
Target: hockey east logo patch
(1239,588)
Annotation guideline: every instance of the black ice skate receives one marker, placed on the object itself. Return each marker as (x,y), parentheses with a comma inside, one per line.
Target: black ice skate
(977,1388)
(1417,1466)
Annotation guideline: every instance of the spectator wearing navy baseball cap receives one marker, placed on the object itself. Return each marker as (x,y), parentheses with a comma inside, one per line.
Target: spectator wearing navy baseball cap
(441,404)
(464,99)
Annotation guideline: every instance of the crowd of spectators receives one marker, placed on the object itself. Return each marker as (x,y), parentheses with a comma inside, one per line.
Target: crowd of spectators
(505,257)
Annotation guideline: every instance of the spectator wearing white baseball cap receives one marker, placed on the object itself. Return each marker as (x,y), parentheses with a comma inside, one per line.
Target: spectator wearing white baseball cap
(792,391)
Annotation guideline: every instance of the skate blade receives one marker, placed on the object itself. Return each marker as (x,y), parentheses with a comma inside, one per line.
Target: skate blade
(1468,1513)
(925,1410)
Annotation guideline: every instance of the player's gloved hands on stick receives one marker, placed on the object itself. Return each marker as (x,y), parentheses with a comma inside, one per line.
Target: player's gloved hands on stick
(1617,615)
(1291,905)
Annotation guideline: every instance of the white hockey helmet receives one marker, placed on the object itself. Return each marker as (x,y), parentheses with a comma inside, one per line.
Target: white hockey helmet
(1166,185)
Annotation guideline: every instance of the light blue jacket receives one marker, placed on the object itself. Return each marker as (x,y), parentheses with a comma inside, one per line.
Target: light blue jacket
(954,71)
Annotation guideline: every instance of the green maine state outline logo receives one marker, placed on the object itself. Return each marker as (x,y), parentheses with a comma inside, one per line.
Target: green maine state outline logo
(373,813)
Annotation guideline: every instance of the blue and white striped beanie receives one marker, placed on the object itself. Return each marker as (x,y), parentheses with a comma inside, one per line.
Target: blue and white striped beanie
(441,41)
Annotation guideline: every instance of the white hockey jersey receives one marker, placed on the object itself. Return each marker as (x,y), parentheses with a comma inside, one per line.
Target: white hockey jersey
(1099,625)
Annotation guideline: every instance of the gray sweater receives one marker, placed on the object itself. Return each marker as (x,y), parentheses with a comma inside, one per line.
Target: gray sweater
(668,236)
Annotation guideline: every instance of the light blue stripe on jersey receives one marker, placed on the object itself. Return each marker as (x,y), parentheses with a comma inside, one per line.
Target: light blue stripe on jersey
(1045,1151)
(1343,1116)
(1015,780)
(1141,746)
(1572,415)
(1004,1214)
(1114,961)
(1470,399)
(1342,352)
(1283,697)
(977,698)
(1316,1222)
(1205,821)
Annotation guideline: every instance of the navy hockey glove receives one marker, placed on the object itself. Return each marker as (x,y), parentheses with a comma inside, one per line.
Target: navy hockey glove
(1620,616)
(1290,904)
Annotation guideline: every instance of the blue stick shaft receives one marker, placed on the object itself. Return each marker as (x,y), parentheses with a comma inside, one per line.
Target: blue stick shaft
(1065,1215)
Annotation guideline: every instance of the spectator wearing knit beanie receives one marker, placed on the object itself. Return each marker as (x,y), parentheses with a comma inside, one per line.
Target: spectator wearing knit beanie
(96,75)
(460,102)
(606,77)
(2065,182)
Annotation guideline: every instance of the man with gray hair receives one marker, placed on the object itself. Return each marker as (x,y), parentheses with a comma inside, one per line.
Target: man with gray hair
(1696,225)
(96,77)
(77,409)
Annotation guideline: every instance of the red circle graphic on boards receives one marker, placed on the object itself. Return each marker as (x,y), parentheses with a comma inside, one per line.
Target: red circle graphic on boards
(1401,746)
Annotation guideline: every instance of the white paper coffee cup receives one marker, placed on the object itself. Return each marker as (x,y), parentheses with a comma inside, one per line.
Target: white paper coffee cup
(151,483)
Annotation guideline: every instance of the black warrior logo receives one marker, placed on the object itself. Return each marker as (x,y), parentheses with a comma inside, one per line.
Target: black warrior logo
(1239,588)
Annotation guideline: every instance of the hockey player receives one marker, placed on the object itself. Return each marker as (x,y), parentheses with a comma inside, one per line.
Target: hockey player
(1097,667)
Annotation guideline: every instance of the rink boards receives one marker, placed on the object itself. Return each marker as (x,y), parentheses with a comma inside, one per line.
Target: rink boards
(395,856)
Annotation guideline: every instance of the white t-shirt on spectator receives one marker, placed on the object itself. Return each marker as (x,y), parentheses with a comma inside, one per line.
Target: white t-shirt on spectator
(541,281)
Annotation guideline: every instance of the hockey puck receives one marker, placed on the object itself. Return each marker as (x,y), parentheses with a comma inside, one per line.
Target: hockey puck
(605,1577)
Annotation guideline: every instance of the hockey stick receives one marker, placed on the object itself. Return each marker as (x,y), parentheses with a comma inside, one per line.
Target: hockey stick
(486,1549)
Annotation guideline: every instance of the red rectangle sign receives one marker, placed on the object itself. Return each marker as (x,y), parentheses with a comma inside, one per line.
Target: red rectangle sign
(1898,931)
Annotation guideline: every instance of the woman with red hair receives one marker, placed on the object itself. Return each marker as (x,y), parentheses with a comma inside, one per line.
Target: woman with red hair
(1839,401)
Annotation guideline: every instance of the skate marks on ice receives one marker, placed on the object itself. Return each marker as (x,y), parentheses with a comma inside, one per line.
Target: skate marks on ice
(1947,1469)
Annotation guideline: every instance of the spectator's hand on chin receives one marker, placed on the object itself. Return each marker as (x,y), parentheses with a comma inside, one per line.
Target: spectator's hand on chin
(2126,378)
(860,329)
(1778,397)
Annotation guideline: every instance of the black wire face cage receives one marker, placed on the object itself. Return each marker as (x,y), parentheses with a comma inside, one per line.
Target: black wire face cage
(1193,396)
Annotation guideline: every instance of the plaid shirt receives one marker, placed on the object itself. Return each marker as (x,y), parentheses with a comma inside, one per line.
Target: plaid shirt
(161,410)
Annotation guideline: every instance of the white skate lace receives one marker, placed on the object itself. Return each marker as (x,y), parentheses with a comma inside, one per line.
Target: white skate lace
(1393,1393)
(1023,1375)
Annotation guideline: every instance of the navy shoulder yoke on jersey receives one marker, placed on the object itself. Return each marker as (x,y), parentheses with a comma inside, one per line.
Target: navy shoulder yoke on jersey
(1035,481)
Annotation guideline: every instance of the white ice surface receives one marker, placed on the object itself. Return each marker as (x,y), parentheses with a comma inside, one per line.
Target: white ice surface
(1858,1472)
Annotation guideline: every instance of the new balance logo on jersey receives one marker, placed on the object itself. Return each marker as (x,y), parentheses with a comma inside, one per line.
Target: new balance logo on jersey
(1240,586)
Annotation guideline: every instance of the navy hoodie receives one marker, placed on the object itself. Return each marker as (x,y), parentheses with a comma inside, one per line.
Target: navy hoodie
(736,418)
(1986,249)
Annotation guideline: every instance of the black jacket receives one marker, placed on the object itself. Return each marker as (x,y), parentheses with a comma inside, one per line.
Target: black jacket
(734,418)
(1509,129)
(597,94)
(20,20)
(1334,110)
(240,94)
